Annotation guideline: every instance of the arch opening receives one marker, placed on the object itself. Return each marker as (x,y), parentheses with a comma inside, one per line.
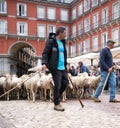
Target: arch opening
(22,57)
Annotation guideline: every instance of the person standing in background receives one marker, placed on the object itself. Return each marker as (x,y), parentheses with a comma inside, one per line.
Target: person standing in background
(83,68)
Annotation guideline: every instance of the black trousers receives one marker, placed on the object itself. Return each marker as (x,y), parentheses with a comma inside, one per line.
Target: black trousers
(61,82)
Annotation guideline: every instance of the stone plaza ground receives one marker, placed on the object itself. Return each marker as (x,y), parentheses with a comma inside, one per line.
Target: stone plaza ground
(26,114)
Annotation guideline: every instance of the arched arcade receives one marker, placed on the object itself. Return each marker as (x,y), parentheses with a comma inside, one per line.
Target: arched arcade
(21,56)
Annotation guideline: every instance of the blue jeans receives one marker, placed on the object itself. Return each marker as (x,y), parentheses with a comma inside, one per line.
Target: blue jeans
(111,82)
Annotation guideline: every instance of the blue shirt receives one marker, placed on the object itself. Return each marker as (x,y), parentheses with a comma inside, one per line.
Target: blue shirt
(61,60)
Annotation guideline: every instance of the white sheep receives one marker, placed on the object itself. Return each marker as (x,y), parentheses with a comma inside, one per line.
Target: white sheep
(11,81)
(31,85)
(6,85)
(79,82)
(46,82)
(93,83)
(16,83)
(2,83)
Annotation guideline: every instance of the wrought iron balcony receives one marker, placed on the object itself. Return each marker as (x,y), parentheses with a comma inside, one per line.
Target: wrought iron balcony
(108,21)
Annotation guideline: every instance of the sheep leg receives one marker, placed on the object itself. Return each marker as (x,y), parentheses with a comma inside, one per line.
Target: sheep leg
(8,96)
(45,94)
(50,95)
(41,94)
(82,92)
(33,94)
(28,96)
(63,97)
(18,95)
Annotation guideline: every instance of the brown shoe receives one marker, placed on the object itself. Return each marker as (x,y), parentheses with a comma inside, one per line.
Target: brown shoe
(59,107)
(96,99)
(114,101)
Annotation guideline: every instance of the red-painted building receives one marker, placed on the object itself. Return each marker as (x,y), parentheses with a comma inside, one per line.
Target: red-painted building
(25,25)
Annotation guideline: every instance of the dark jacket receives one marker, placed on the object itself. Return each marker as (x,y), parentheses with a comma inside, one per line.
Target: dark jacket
(84,68)
(50,54)
(106,59)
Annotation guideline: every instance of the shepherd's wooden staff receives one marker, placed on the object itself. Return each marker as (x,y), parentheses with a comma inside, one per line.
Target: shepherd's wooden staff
(106,79)
(77,94)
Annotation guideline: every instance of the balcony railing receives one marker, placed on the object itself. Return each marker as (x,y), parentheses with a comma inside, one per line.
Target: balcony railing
(95,49)
(13,34)
(111,19)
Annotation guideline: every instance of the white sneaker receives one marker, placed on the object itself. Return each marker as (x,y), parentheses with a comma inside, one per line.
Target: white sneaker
(59,107)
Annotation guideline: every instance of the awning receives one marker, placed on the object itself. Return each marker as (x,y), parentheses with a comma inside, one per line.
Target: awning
(116,54)
(93,58)
(87,59)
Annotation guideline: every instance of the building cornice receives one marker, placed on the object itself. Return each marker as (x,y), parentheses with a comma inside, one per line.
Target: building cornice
(68,5)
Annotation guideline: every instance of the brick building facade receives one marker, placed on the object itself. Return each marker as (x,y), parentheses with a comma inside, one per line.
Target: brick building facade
(25,25)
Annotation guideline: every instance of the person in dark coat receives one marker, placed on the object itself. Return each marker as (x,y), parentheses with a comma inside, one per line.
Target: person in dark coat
(107,66)
(54,57)
(83,68)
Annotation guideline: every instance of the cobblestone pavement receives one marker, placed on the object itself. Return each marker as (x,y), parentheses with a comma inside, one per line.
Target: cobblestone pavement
(25,114)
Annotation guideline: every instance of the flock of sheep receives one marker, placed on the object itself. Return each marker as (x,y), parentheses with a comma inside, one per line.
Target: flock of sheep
(40,84)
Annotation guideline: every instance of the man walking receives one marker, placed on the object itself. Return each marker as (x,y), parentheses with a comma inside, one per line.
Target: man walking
(54,58)
(106,66)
